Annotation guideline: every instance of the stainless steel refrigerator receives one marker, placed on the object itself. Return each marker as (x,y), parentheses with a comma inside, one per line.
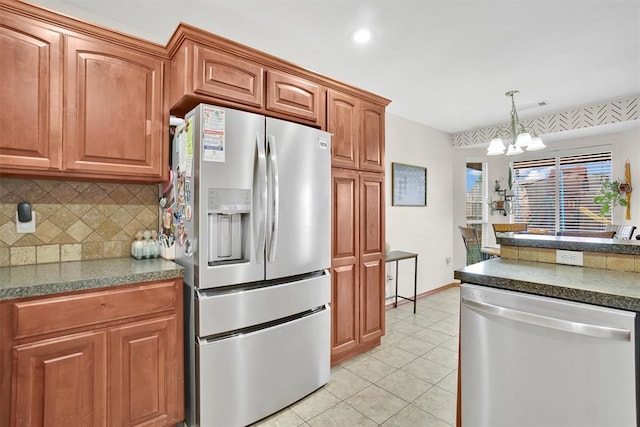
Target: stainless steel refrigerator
(250,215)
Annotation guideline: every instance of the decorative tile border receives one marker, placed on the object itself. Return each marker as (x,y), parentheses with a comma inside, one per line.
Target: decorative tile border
(615,111)
(608,261)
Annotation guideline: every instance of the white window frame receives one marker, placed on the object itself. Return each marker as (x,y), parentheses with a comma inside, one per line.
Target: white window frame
(484,221)
(557,155)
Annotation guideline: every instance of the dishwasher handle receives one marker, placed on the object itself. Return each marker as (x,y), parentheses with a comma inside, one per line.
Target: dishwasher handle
(549,322)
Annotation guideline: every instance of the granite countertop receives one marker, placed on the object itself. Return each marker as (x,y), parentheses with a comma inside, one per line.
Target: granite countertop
(609,288)
(570,243)
(49,279)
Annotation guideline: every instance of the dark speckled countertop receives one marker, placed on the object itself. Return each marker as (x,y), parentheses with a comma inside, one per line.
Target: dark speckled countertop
(609,288)
(630,247)
(49,279)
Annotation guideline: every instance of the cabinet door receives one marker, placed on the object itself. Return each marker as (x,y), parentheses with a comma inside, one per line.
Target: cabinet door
(294,96)
(30,95)
(372,269)
(342,122)
(228,77)
(345,246)
(145,373)
(371,137)
(61,381)
(114,120)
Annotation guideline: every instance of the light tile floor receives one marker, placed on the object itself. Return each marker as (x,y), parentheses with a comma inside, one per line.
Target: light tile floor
(409,380)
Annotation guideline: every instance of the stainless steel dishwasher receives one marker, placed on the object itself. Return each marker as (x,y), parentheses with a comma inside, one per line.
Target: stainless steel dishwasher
(536,361)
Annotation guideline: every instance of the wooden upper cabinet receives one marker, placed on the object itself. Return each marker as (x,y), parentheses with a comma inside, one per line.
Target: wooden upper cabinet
(206,68)
(372,137)
(342,122)
(106,90)
(295,96)
(358,132)
(31,95)
(114,117)
(229,77)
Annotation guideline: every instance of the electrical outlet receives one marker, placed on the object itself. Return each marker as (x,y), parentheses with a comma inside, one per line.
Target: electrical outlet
(447,260)
(569,257)
(26,227)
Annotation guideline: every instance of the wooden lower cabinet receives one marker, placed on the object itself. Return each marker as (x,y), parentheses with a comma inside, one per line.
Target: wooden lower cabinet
(143,372)
(114,365)
(357,295)
(61,381)
(344,305)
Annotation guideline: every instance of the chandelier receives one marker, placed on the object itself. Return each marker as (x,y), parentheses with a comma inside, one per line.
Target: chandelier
(518,136)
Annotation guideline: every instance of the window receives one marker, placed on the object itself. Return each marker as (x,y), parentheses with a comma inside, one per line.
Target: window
(476,194)
(556,193)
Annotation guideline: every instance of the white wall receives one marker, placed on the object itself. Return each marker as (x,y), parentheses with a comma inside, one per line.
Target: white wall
(624,145)
(423,230)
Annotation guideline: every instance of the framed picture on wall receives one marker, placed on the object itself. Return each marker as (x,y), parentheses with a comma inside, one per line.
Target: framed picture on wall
(409,185)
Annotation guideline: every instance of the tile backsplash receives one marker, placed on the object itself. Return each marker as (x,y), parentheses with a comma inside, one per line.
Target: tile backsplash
(610,261)
(74,220)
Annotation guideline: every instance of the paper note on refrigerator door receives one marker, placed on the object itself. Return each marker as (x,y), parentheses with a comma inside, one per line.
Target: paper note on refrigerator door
(213,143)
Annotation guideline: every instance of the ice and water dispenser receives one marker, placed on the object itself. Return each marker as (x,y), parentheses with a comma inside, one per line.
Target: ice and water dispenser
(229,225)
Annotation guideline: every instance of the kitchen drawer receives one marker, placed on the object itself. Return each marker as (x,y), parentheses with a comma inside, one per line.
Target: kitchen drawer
(248,376)
(223,312)
(74,311)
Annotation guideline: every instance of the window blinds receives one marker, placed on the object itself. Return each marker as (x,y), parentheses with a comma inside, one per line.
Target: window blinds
(556,193)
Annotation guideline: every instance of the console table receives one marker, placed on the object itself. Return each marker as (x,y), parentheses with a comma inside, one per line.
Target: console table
(395,256)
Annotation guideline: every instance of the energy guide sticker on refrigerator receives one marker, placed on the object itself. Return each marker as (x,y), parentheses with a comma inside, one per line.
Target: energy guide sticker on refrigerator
(213,134)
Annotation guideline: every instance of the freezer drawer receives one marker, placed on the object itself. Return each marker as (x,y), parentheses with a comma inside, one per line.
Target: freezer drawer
(536,361)
(244,378)
(217,313)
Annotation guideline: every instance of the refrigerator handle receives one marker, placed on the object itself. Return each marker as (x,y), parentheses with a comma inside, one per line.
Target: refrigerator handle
(262,189)
(275,191)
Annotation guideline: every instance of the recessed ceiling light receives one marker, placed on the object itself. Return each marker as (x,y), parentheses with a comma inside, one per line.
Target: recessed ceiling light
(363,35)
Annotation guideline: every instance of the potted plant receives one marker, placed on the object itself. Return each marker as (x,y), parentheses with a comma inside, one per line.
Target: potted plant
(611,194)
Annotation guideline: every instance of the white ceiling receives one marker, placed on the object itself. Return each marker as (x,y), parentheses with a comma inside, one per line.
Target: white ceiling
(443,63)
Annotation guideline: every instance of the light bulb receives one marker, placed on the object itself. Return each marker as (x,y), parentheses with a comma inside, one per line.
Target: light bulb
(496,147)
(536,144)
(513,150)
(363,35)
(524,139)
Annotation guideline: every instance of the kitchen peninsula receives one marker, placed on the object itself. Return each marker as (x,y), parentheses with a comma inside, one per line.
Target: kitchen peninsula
(551,343)
(609,276)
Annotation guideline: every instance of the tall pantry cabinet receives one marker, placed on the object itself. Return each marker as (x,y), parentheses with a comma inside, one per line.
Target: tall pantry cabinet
(357,264)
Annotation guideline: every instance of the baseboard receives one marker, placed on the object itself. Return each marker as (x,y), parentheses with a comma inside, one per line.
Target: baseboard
(426,293)
(336,359)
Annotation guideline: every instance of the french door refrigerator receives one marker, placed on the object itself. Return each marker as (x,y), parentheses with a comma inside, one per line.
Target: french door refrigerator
(252,225)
